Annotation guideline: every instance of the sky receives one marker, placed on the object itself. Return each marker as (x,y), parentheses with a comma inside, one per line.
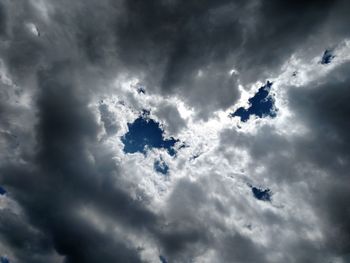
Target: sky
(174,131)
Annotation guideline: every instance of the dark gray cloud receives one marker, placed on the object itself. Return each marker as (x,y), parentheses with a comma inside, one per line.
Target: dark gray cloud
(325,110)
(2,20)
(75,197)
(64,132)
(172,41)
(320,159)
(238,248)
(27,242)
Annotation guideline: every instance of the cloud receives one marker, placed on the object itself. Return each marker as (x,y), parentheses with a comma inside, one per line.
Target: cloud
(107,118)
(191,48)
(169,114)
(70,78)
(325,110)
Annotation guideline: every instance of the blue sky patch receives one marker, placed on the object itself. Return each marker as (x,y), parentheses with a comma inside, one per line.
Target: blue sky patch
(161,167)
(162,259)
(261,105)
(327,57)
(261,194)
(2,191)
(141,90)
(145,133)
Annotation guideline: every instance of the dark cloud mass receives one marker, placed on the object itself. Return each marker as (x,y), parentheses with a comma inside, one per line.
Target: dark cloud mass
(84,177)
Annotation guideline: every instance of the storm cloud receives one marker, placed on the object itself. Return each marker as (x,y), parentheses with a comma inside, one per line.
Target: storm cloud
(202,186)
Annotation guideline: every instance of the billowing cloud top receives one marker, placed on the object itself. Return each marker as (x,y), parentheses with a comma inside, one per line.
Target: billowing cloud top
(174,131)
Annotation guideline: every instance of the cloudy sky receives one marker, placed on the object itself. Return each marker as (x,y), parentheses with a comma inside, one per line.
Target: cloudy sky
(174,131)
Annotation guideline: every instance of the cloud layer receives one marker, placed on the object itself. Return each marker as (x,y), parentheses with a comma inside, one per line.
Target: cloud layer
(266,189)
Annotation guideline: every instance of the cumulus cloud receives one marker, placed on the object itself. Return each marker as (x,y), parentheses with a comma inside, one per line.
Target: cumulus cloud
(75,76)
